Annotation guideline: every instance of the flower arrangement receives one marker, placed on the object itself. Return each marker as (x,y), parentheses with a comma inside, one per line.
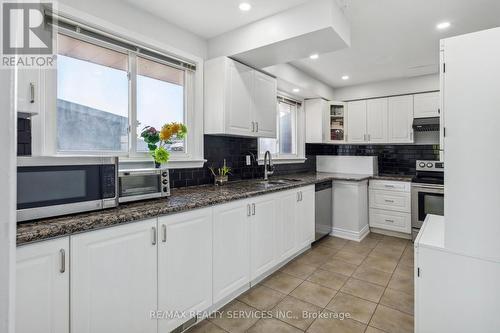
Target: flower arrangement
(157,140)
(222,177)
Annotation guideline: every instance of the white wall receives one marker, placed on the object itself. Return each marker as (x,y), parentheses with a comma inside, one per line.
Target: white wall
(388,88)
(122,14)
(8,139)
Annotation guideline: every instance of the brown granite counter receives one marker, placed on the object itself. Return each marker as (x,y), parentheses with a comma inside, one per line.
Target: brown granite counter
(181,199)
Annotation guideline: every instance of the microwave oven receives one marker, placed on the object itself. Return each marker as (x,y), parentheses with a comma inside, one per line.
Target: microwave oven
(53,186)
(141,184)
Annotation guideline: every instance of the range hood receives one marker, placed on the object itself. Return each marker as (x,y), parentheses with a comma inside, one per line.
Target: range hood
(426,124)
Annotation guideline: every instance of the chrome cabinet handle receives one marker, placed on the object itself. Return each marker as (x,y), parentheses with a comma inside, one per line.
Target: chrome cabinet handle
(249,212)
(390,221)
(153,241)
(253,126)
(32,92)
(298,196)
(253,209)
(164,233)
(256,126)
(62,268)
(389,186)
(387,200)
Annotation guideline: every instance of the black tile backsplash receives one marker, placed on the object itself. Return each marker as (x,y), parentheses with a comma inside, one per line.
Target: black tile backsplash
(23,137)
(392,159)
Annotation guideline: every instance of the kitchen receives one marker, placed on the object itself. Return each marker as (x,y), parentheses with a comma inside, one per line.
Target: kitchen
(164,176)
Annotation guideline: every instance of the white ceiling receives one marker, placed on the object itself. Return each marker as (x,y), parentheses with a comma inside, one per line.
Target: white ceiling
(398,38)
(210,18)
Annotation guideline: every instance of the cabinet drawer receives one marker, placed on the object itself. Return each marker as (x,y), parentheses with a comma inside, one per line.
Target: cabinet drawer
(390,200)
(390,185)
(390,220)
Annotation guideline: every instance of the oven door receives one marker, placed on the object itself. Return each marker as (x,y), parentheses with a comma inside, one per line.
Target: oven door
(426,199)
(138,185)
(53,190)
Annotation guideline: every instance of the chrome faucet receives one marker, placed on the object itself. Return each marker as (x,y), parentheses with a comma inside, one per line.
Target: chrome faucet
(268,170)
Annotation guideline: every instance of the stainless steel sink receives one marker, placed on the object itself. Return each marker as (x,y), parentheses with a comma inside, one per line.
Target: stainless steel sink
(282,181)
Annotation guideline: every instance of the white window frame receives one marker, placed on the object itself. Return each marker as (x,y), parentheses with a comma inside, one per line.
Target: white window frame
(44,130)
(299,156)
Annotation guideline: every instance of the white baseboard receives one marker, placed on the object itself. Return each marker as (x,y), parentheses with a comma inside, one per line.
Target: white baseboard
(350,234)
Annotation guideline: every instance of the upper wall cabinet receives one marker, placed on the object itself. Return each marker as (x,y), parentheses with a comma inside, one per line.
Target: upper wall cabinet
(367,121)
(400,113)
(426,105)
(325,121)
(356,122)
(239,100)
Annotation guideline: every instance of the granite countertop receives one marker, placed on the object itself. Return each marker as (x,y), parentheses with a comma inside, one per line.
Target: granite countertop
(399,178)
(181,199)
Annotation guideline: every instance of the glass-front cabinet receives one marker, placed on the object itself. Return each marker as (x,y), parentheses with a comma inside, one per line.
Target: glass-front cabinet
(336,122)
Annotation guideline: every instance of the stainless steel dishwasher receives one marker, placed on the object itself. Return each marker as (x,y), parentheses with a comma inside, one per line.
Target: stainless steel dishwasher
(324,209)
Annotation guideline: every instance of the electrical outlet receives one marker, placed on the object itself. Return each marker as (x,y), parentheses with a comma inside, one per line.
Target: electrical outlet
(249,161)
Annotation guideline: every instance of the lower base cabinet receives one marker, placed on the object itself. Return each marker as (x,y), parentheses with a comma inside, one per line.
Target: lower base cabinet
(184,267)
(305,217)
(114,279)
(42,287)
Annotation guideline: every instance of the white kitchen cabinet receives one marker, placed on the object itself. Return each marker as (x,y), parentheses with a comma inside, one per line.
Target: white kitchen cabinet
(286,226)
(231,248)
(356,122)
(325,121)
(305,217)
(29,91)
(114,279)
(400,114)
(376,120)
(239,100)
(184,265)
(263,235)
(42,287)
(350,209)
(426,105)
(265,105)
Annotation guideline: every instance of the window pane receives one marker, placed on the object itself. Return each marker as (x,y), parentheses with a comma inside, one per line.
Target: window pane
(92,97)
(160,99)
(267,144)
(287,117)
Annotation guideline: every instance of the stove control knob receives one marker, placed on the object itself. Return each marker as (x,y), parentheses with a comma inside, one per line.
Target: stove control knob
(430,165)
(421,164)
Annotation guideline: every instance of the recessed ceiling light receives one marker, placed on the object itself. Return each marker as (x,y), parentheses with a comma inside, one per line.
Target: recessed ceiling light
(314,56)
(296,90)
(443,25)
(345,77)
(245,6)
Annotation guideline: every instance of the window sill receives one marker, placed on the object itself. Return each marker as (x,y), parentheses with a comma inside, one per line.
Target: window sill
(172,164)
(284,160)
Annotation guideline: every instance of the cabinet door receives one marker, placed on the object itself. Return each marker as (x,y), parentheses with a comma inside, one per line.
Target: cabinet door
(28,93)
(400,119)
(263,236)
(239,90)
(264,105)
(184,265)
(376,120)
(42,287)
(286,228)
(305,217)
(426,105)
(231,256)
(114,279)
(356,121)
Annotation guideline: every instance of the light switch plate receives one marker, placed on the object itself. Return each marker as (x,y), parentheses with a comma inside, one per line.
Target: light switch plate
(248,160)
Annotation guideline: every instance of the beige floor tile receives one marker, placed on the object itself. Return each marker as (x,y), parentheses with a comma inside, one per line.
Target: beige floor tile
(291,310)
(339,266)
(398,300)
(261,297)
(359,309)
(333,325)
(367,273)
(298,269)
(405,271)
(350,257)
(369,242)
(391,320)
(312,258)
(383,264)
(373,235)
(272,325)
(366,290)
(333,242)
(395,241)
(401,283)
(328,279)
(205,327)
(388,253)
(355,247)
(247,316)
(323,250)
(370,329)
(314,293)
(282,282)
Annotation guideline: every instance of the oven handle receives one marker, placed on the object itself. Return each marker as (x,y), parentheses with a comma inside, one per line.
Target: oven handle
(125,173)
(432,187)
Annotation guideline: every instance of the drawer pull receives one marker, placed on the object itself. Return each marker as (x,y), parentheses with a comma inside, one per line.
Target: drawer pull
(389,186)
(62,268)
(390,201)
(390,221)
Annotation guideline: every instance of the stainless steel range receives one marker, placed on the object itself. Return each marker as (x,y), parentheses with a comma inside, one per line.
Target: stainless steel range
(427,193)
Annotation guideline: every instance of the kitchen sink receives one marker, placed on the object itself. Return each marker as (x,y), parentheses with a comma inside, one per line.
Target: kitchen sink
(282,181)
